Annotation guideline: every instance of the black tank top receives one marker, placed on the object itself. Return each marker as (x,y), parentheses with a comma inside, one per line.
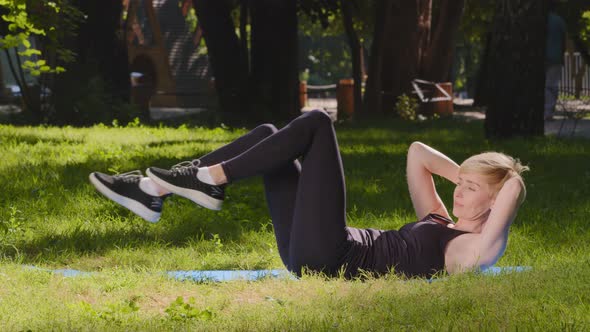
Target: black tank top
(416,249)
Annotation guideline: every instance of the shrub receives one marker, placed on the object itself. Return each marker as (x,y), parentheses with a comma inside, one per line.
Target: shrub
(407,107)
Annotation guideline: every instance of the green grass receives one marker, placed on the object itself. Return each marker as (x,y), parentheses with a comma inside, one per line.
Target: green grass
(53,218)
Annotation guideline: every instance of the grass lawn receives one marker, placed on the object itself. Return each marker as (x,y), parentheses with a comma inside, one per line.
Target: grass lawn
(53,218)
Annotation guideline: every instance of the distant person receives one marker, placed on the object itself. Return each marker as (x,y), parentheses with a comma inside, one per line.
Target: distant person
(307,201)
(554,49)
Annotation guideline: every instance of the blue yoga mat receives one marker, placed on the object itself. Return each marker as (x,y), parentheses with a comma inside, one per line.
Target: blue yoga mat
(495,270)
(227,275)
(249,275)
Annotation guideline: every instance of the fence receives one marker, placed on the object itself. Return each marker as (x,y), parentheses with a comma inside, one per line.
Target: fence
(322,96)
(574,63)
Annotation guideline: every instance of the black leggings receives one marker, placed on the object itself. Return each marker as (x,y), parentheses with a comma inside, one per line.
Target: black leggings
(307,201)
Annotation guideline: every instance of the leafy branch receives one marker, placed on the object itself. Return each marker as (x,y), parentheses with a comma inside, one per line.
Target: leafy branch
(20,29)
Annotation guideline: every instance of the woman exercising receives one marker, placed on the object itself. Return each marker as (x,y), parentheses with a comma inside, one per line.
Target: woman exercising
(307,201)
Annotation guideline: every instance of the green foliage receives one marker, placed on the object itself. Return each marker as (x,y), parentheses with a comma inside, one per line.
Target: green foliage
(12,230)
(49,23)
(325,57)
(13,224)
(585,25)
(324,48)
(304,75)
(191,19)
(58,28)
(319,11)
(217,241)
(407,107)
(113,313)
(180,310)
(22,26)
(475,24)
(328,15)
(117,312)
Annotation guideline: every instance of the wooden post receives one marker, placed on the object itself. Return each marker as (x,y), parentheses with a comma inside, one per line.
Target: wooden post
(444,107)
(345,97)
(302,94)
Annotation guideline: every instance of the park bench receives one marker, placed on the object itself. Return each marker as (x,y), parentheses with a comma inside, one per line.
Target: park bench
(435,98)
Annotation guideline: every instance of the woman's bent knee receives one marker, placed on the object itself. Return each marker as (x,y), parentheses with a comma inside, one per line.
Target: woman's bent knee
(266,129)
(319,117)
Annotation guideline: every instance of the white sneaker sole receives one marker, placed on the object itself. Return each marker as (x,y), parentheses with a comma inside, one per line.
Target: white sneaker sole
(196,196)
(129,203)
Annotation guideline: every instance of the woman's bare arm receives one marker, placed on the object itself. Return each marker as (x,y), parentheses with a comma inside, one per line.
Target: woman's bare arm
(423,161)
(495,231)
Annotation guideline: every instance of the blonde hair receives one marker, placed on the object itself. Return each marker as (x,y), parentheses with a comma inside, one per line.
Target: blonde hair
(497,168)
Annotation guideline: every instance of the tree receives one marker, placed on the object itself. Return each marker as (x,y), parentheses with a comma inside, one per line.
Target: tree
(515,69)
(470,45)
(23,21)
(256,73)
(274,67)
(406,47)
(228,61)
(438,53)
(347,7)
(374,90)
(96,87)
(577,16)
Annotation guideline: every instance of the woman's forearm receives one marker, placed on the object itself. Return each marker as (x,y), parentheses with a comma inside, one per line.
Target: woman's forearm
(423,161)
(435,162)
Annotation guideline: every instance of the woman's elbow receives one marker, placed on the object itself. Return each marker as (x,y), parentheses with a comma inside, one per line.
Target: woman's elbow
(416,147)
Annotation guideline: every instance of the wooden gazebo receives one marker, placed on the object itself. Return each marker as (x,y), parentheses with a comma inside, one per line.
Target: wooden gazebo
(168,69)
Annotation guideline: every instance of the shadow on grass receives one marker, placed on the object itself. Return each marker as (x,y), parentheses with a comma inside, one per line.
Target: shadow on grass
(111,227)
(32,139)
(167,143)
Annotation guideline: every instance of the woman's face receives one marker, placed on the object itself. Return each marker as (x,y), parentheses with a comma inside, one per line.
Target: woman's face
(473,196)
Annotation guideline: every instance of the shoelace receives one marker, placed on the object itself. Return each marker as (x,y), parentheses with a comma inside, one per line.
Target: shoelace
(130,177)
(185,167)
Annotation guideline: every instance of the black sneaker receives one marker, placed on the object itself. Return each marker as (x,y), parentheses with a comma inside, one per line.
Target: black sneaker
(182,180)
(124,189)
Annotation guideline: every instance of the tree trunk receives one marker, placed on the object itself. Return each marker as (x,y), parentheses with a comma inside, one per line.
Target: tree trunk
(438,57)
(481,95)
(244,9)
(355,51)
(374,88)
(274,69)
(17,74)
(407,46)
(402,30)
(401,51)
(101,62)
(515,72)
(424,30)
(225,54)
(100,40)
